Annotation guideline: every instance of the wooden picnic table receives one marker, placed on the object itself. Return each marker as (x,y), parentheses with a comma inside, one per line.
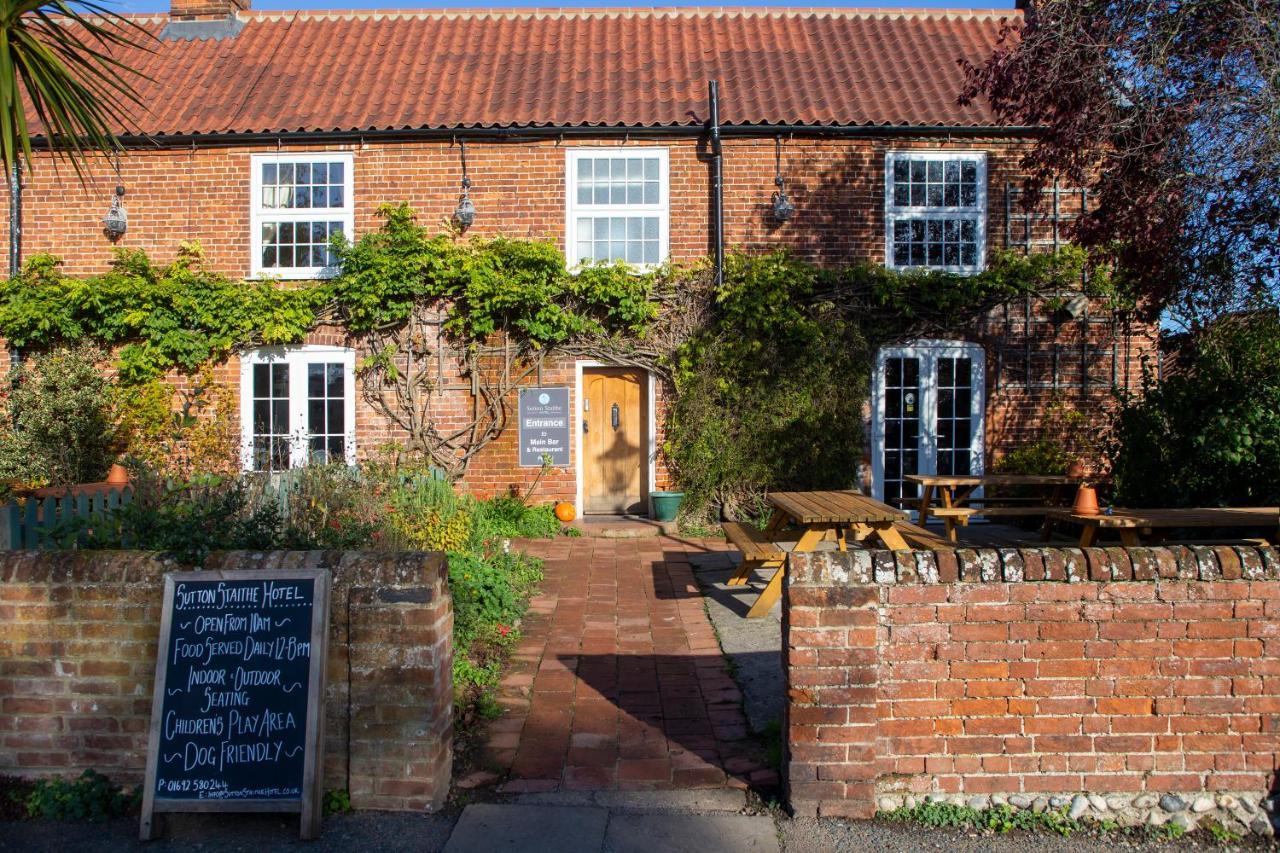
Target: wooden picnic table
(818,515)
(1137,526)
(955,496)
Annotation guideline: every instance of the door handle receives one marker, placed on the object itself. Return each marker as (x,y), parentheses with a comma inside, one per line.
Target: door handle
(613,417)
(585,428)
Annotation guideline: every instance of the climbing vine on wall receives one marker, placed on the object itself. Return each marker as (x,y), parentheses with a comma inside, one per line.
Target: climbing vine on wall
(768,371)
(491,308)
(771,382)
(157,318)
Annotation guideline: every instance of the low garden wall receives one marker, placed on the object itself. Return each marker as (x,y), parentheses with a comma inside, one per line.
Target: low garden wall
(1135,685)
(78,636)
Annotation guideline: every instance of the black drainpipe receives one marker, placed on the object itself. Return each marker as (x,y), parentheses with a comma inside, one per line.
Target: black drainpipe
(717,180)
(15,221)
(15,240)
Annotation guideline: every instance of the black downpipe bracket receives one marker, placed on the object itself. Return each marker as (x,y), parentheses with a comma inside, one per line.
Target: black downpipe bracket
(717,178)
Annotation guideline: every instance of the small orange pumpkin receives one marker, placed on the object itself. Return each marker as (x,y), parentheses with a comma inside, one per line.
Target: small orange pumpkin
(565,512)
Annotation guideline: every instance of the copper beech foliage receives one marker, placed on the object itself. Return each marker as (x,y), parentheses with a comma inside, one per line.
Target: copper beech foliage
(1166,111)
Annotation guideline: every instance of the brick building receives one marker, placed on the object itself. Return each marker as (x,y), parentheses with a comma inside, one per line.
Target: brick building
(266,131)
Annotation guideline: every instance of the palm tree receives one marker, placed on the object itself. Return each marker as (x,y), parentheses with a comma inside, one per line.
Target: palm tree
(59,65)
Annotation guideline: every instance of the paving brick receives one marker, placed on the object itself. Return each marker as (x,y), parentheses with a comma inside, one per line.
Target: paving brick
(630,689)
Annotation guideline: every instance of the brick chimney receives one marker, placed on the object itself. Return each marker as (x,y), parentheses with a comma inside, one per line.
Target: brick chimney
(205,10)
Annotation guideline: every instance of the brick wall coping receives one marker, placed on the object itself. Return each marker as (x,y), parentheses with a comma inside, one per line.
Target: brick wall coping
(387,567)
(1069,565)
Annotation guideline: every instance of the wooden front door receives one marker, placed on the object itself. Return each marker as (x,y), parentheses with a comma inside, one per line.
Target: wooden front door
(615,418)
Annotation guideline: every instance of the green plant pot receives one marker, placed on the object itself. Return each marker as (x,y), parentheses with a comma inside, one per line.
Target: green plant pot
(666,505)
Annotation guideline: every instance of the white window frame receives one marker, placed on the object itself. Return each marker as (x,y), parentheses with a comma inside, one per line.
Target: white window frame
(297,357)
(893,213)
(573,209)
(929,351)
(258,214)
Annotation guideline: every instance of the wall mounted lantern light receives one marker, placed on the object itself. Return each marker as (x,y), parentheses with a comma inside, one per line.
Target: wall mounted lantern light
(465,213)
(116,222)
(783,209)
(1076,306)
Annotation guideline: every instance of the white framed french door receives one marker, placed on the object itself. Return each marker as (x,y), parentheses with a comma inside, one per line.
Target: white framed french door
(297,407)
(927,405)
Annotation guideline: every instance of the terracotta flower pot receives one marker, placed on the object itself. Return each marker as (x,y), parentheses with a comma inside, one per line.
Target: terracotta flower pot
(1086,500)
(118,475)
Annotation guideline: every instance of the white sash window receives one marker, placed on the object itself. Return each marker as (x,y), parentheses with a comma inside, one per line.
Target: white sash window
(936,210)
(617,206)
(299,202)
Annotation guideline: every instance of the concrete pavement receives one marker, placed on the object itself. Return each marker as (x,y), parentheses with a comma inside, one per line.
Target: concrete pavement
(487,828)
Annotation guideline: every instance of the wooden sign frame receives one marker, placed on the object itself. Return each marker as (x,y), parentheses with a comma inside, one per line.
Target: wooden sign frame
(309,803)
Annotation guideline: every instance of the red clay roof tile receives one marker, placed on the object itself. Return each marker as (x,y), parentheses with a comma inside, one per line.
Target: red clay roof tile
(366,71)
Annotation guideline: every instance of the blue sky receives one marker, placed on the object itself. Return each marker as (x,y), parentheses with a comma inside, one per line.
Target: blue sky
(163,5)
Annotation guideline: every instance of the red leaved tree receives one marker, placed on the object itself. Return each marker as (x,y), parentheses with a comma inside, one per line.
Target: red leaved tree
(1167,111)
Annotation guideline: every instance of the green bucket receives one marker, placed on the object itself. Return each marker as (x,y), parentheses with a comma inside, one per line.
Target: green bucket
(666,505)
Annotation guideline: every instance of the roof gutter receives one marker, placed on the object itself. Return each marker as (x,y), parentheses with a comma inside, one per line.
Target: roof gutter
(517,134)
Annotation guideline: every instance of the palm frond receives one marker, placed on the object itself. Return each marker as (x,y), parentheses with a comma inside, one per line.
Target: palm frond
(60,66)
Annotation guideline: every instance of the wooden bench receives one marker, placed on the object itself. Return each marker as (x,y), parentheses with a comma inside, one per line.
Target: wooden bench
(923,538)
(758,550)
(960,515)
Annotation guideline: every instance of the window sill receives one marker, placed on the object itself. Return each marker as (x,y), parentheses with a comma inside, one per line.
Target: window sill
(304,274)
(967,271)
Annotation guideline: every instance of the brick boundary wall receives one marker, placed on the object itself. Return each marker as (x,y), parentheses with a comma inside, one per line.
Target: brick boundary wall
(1140,685)
(78,635)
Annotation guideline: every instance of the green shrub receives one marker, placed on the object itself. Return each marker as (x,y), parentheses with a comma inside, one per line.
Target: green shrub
(489,591)
(322,506)
(60,423)
(1209,434)
(337,801)
(511,518)
(186,521)
(1066,436)
(770,394)
(89,797)
(1042,457)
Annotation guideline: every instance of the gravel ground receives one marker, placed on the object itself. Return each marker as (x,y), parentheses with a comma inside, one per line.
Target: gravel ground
(754,645)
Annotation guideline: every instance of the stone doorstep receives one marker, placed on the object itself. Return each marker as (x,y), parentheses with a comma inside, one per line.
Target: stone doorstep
(622,527)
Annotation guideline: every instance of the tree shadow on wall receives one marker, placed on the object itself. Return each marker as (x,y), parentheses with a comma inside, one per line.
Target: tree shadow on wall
(833,184)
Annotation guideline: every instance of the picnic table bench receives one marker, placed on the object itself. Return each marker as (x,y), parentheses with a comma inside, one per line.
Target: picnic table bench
(817,516)
(1151,526)
(958,502)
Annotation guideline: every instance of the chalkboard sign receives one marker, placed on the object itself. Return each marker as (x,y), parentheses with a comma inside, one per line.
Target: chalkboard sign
(544,426)
(238,713)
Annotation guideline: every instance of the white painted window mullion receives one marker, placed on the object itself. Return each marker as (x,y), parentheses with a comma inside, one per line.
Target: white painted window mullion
(928,409)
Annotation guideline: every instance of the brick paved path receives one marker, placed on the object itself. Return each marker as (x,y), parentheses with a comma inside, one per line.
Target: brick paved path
(618,681)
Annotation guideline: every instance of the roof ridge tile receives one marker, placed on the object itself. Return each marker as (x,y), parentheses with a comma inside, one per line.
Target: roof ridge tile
(495,12)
